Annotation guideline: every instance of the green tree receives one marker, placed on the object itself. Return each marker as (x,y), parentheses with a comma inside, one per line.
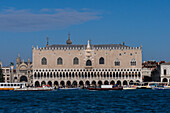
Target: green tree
(1,76)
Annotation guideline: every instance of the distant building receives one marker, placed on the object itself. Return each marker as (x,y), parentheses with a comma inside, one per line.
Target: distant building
(151,71)
(77,65)
(165,72)
(7,74)
(146,74)
(23,72)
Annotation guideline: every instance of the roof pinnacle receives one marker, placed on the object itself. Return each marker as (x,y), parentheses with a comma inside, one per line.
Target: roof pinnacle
(47,41)
(69,41)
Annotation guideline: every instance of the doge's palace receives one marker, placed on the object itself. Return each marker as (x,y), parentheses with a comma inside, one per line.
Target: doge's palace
(83,65)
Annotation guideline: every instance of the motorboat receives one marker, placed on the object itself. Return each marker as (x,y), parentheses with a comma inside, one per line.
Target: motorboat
(161,87)
(43,88)
(129,87)
(105,87)
(67,88)
(144,85)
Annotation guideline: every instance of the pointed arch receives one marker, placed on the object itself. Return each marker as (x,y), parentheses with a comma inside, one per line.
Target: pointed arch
(59,61)
(56,83)
(119,82)
(133,62)
(88,63)
(37,84)
(101,60)
(112,82)
(43,83)
(68,83)
(74,83)
(81,83)
(93,83)
(50,83)
(75,61)
(165,80)
(87,83)
(62,83)
(44,61)
(125,82)
(117,62)
(106,82)
(100,82)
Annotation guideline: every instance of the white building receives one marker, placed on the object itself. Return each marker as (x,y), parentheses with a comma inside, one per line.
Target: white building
(83,65)
(165,72)
(6,73)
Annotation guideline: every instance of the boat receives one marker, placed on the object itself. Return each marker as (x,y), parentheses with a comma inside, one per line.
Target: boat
(144,85)
(69,88)
(162,86)
(129,87)
(11,86)
(43,88)
(105,88)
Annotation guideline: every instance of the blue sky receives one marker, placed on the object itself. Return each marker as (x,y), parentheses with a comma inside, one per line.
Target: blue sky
(24,23)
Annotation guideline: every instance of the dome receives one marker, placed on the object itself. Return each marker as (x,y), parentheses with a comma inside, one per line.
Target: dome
(18,60)
(69,41)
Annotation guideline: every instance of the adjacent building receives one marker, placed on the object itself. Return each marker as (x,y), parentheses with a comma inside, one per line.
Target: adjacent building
(165,72)
(23,72)
(7,74)
(151,71)
(76,65)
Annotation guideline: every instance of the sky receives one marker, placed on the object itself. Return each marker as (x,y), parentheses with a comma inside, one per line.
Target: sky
(27,23)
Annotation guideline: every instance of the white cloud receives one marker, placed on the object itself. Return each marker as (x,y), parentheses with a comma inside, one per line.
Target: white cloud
(45,19)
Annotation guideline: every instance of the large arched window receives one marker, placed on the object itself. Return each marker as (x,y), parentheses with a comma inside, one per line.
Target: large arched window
(133,62)
(88,63)
(75,61)
(44,61)
(117,62)
(59,61)
(101,60)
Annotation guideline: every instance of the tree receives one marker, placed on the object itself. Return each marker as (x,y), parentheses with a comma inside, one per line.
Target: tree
(1,76)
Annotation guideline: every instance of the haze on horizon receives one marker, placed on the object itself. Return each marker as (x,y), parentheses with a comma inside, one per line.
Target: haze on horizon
(24,24)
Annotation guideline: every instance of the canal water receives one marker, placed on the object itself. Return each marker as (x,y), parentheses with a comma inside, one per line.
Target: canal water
(83,101)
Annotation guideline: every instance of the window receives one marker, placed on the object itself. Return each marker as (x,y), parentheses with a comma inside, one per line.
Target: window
(117,62)
(75,61)
(59,61)
(101,60)
(88,63)
(44,61)
(164,71)
(133,62)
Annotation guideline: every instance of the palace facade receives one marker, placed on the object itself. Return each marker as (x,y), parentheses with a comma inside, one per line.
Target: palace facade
(77,65)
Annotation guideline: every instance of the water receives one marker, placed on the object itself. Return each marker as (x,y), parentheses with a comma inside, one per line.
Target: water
(77,101)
